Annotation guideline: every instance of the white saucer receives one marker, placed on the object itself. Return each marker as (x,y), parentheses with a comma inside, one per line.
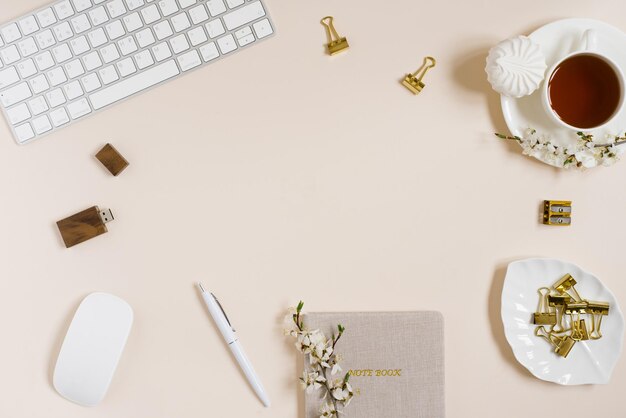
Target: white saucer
(558,39)
(589,362)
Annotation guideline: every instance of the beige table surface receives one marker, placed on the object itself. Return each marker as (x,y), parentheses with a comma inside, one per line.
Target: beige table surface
(282,174)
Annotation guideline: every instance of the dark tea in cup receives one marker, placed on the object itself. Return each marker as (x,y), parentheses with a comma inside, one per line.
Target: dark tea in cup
(585,91)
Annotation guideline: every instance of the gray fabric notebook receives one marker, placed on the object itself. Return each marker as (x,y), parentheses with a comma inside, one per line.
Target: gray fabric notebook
(396,361)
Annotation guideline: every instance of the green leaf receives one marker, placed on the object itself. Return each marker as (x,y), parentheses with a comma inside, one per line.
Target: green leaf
(300,306)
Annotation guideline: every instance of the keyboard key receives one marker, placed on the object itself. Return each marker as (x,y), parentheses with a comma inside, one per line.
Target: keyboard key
(215,28)
(109,53)
(168,7)
(62,53)
(91,82)
(144,59)
(15,94)
(116,8)
(98,16)
(244,15)
(38,105)
(18,114)
(26,68)
(81,24)
(227,44)
(56,76)
(244,36)
(73,90)
(126,67)
(216,7)
(189,60)
(55,97)
(79,108)
(81,5)
(63,31)
(186,3)
(44,61)
(74,68)
(234,3)
(59,117)
(11,33)
(92,61)
(197,36)
(79,45)
(132,22)
(45,39)
(46,17)
(150,14)
(198,14)
(8,77)
(97,37)
(180,22)
(263,28)
(42,124)
(134,84)
(127,45)
(39,84)
(134,4)
(27,46)
(162,30)
(10,55)
(115,29)
(209,51)
(108,74)
(145,38)
(29,25)
(63,9)
(161,51)
(179,43)
(24,132)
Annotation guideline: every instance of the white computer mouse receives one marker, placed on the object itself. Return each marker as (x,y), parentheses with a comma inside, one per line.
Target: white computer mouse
(92,348)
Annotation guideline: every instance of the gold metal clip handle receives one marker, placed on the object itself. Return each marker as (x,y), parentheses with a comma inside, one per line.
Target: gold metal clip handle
(429,62)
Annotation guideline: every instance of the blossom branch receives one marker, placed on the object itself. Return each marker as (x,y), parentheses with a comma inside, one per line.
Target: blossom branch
(324,363)
(586,153)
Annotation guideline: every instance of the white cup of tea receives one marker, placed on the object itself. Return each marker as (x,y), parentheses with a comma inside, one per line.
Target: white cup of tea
(584,90)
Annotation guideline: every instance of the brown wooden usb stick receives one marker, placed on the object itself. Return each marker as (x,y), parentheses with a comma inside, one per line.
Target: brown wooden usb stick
(84,225)
(112,159)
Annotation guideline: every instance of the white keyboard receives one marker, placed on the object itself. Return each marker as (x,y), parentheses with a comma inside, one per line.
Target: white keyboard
(72,58)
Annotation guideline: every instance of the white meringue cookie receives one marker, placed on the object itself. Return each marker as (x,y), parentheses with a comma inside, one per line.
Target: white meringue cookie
(516,67)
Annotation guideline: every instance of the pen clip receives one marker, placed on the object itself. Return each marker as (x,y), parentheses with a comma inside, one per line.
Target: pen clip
(224,312)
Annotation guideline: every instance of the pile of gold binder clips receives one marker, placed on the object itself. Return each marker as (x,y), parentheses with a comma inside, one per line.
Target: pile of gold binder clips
(563,299)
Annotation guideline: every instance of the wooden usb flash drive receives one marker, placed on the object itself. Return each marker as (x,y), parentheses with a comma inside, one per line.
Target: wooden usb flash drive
(84,225)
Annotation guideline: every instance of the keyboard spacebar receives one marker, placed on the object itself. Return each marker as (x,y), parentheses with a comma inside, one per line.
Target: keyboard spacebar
(134,84)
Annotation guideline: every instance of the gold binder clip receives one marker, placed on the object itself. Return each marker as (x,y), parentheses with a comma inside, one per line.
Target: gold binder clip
(335,43)
(543,316)
(558,302)
(413,82)
(576,308)
(557,212)
(562,345)
(566,284)
(597,310)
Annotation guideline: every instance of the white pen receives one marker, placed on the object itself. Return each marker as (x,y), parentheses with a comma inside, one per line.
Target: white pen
(228,332)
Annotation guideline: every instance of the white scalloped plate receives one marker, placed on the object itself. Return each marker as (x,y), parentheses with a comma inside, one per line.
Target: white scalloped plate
(589,362)
(558,39)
